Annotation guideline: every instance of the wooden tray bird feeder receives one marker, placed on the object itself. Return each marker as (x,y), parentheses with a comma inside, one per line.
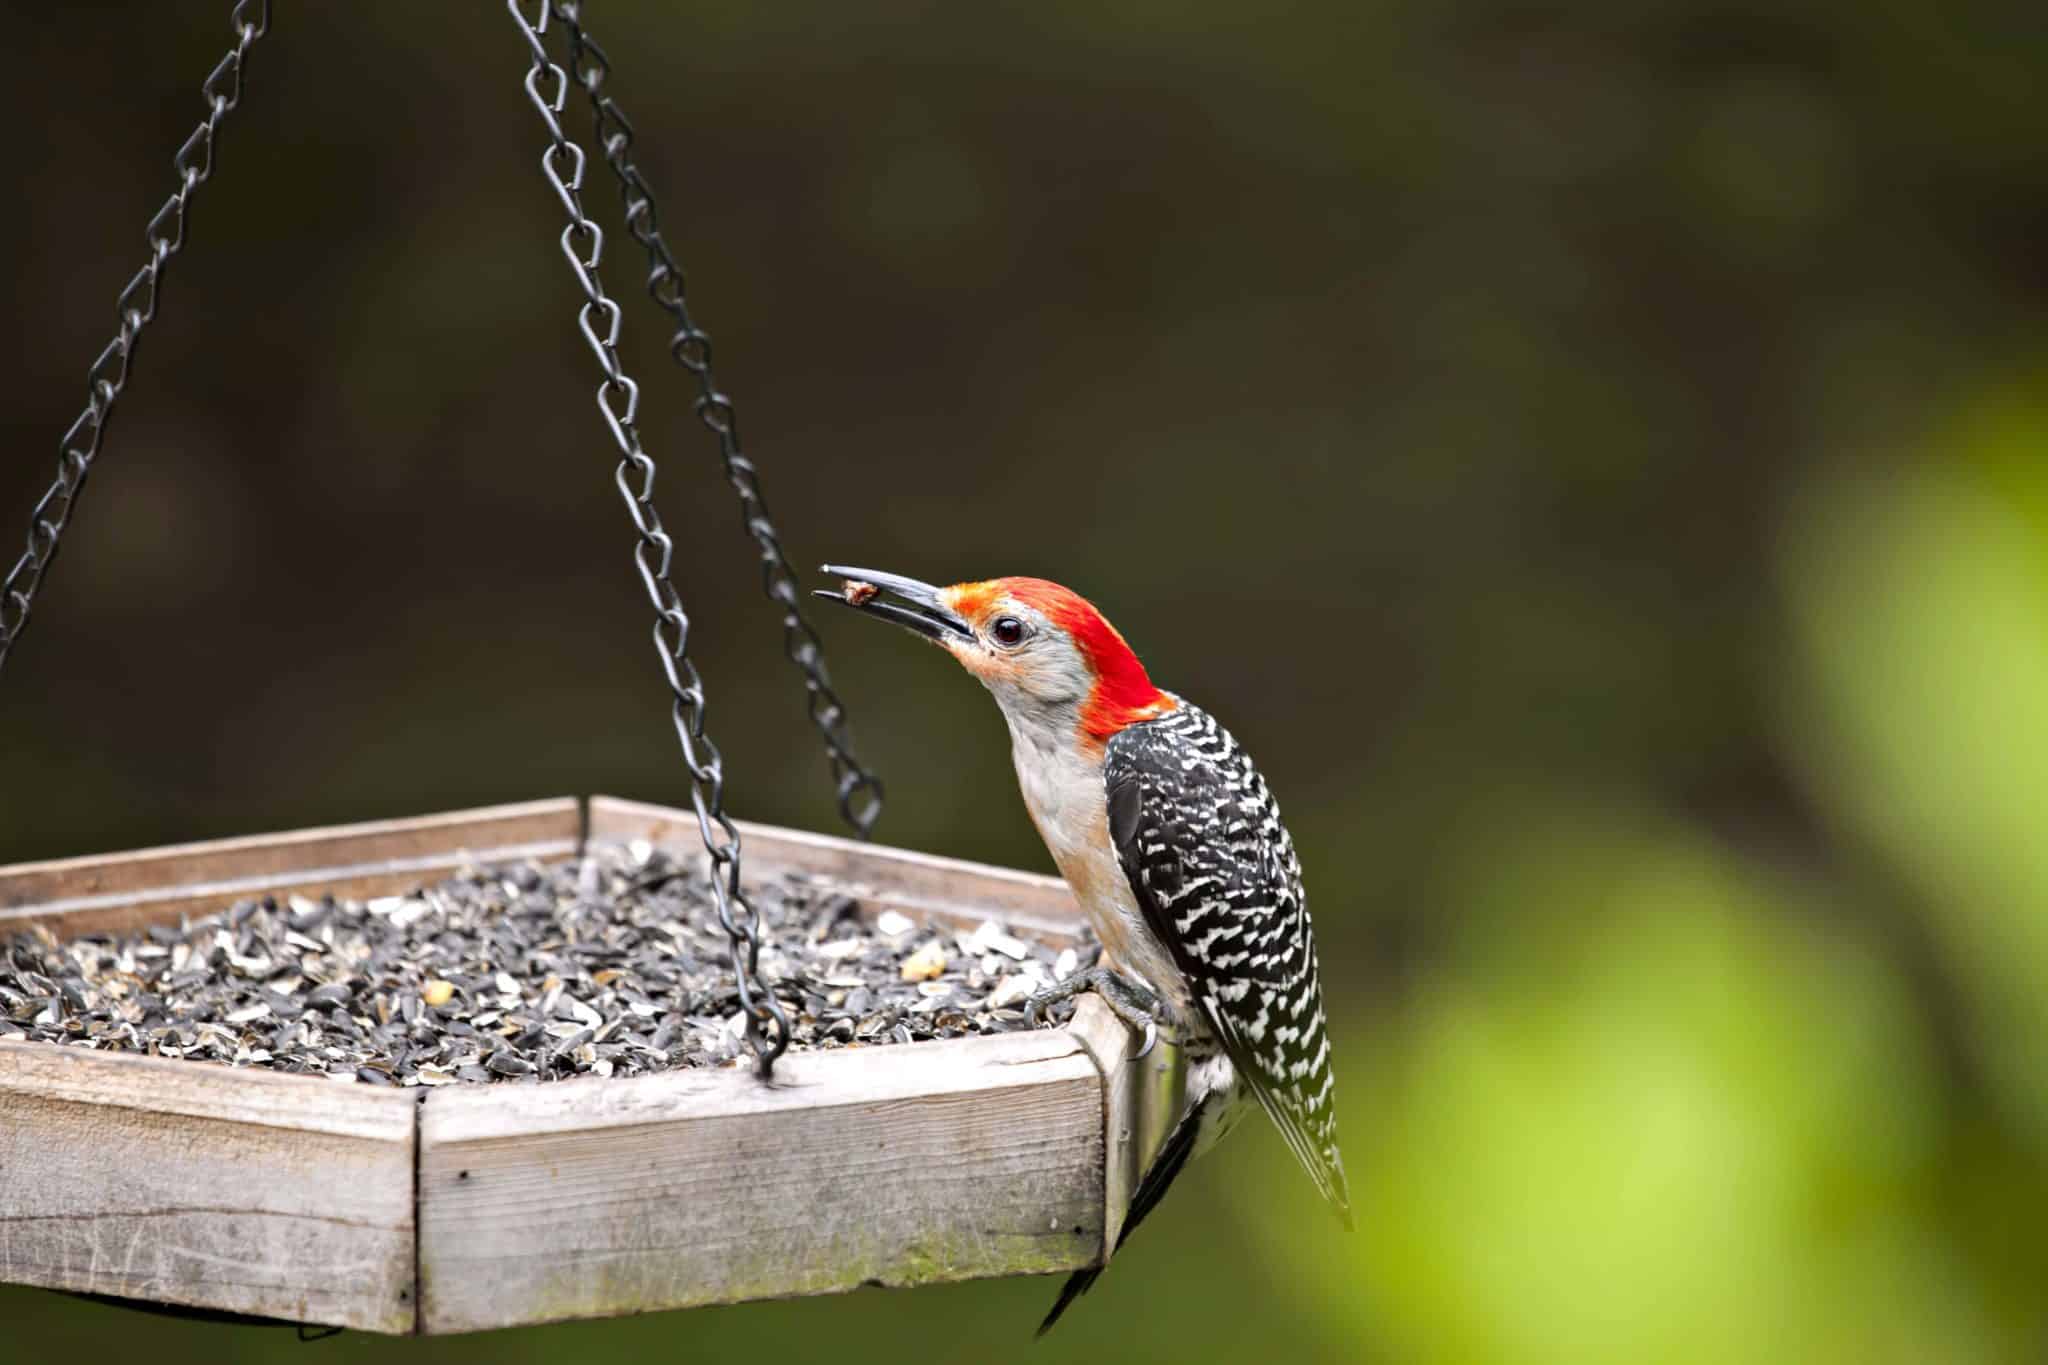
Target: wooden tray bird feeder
(477,1206)
(470,1206)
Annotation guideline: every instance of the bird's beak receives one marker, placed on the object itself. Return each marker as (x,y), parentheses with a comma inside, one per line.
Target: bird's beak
(922,609)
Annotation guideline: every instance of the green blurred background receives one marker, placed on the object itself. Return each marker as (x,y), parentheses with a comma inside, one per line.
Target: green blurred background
(1593,456)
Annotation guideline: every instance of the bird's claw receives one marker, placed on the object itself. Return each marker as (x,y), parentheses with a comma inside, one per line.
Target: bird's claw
(1151,1038)
(1133,1003)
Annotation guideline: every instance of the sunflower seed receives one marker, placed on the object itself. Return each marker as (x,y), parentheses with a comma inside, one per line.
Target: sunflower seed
(608,965)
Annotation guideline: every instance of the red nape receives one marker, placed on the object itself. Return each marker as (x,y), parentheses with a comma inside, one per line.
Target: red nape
(1123,694)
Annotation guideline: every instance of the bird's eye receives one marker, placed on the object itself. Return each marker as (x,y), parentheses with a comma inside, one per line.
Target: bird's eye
(1008,630)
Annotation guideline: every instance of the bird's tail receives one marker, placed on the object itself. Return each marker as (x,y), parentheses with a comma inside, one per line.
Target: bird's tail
(1174,1154)
(1078,1283)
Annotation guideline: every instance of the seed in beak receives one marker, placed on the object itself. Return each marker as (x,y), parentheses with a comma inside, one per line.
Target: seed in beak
(859,594)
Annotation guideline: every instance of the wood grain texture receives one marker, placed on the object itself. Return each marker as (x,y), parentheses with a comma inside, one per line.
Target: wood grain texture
(121,892)
(1110,1045)
(893,1166)
(922,884)
(185,1183)
(1142,1098)
(305,1199)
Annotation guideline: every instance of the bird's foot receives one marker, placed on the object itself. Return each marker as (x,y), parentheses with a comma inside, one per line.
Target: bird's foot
(1129,1000)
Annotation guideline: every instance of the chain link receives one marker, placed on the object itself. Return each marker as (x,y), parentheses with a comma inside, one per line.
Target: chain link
(137,307)
(859,789)
(618,398)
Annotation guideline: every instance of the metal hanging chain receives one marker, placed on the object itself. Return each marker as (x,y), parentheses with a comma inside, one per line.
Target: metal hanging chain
(618,398)
(137,307)
(859,789)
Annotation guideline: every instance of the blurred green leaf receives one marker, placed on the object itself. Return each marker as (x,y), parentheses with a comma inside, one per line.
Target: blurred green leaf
(1689,1122)
(1920,712)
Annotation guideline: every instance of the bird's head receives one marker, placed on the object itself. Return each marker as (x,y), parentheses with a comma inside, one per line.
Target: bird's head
(1050,658)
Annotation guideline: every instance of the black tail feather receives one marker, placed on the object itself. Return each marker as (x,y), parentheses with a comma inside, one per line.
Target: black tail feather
(1078,1283)
(1174,1154)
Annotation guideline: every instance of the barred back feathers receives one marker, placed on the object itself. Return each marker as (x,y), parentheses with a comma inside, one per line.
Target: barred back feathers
(1215,874)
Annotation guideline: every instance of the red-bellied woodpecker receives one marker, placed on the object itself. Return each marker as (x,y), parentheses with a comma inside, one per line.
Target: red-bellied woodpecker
(1173,846)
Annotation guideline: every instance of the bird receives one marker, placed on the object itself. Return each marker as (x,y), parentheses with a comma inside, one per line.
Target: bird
(1171,842)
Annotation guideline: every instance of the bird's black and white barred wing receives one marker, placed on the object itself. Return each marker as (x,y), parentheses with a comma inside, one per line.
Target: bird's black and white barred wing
(1217,879)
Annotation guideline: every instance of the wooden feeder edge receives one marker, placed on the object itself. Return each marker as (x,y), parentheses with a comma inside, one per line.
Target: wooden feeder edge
(464,1209)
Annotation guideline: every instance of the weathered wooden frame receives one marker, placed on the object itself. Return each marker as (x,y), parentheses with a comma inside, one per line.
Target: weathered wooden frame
(472,1207)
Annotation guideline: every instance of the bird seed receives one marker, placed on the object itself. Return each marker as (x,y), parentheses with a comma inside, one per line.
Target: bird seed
(609,965)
